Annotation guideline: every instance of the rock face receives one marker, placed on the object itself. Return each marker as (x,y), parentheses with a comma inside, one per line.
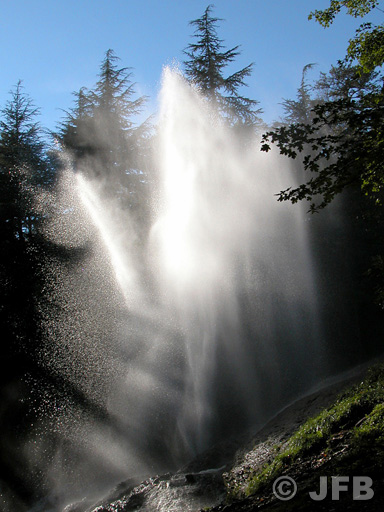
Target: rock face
(187,492)
(342,446)
(208,479)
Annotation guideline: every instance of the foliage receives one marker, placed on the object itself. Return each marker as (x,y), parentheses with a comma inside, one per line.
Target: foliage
(345,81)
(205,68)
(342,146)
(343,143)
(73,132)
(27,172)
(355,8)
(367,47)
(300,110)
(23,165)
(101,135)
(113,113)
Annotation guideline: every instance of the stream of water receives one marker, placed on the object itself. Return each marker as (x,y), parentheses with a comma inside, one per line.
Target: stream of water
(201,330)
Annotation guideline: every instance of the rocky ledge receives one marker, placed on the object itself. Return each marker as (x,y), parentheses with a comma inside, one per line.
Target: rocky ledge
(336,431)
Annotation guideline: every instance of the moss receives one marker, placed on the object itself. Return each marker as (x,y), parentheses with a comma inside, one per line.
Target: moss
(357,414)
(368,436)
(372,428)
(267,474)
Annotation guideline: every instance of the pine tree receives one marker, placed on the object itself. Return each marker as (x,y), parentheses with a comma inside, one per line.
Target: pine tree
(75,130)
(205,66)
(101,133)
(24,170)
(114,112)
(300,110)
(345,81)
(345,134)
(23,164)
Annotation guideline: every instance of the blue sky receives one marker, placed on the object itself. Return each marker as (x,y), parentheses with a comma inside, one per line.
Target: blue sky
(56,47)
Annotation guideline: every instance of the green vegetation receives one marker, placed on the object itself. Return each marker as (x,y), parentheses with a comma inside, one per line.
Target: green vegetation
(355,420)
(341,136)
(367,47)
(338,135)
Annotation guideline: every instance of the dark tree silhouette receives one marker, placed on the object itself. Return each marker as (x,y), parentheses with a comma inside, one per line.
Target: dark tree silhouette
(345,132)
(26,172)
(300,110)
(207,60)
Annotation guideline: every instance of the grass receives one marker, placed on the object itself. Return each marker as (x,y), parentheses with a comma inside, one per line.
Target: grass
(356,417)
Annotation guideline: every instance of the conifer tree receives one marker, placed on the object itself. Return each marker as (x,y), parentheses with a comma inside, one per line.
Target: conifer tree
(345,135)
(23,164)
(74,132)
(25,170)
(101,133)
(300,110)
(207,59)
(345,81)
(114,111)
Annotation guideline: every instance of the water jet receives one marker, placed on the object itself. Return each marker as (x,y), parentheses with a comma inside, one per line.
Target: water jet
(204,329)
